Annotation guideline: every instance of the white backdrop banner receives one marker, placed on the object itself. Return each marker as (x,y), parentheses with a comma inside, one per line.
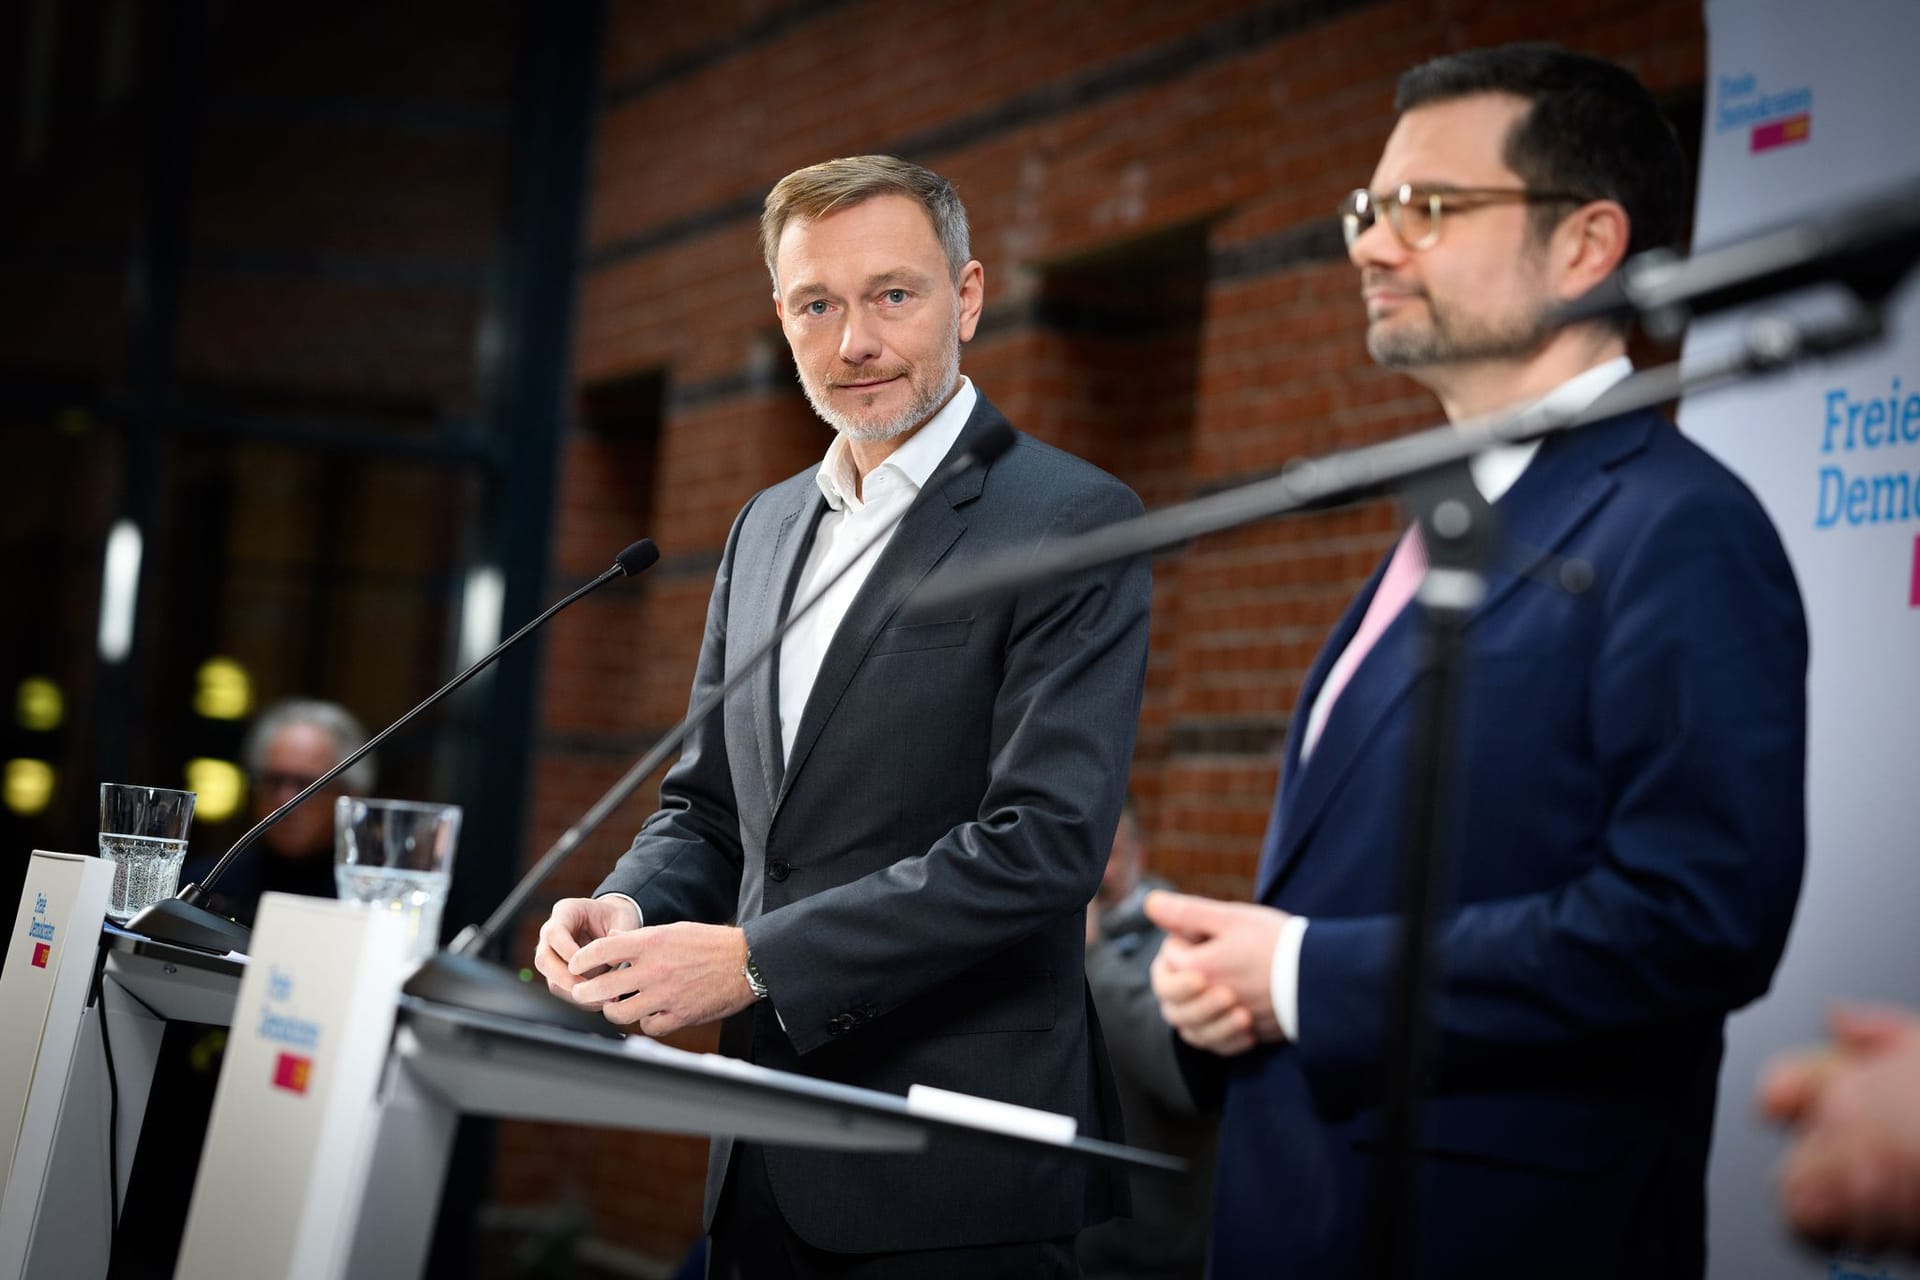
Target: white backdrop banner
(1807,106)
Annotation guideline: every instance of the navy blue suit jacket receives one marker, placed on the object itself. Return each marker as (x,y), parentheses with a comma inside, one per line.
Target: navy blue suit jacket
(1628,791)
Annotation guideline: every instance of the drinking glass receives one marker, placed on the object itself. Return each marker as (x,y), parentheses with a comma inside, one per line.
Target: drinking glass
(143,833)
(397,855)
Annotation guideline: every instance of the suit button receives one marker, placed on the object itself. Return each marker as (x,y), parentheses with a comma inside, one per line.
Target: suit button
(777,870)
(839,1024)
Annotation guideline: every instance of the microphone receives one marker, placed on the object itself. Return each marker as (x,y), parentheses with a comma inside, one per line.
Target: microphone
(184,920)
(1869,246)
(458,976)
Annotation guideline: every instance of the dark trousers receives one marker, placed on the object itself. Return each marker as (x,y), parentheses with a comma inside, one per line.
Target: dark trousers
(752,1241)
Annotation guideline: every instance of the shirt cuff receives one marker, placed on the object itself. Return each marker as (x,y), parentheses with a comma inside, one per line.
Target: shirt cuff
(1285,981)
(640,915)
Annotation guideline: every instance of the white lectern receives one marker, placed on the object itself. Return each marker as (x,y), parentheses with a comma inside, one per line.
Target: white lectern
(338,1100)
(303,1134)
(74,987)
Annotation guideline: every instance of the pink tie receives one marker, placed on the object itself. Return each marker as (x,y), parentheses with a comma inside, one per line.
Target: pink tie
(1397,585)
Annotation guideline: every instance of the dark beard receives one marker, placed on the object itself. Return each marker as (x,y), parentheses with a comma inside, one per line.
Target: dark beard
(1437,344)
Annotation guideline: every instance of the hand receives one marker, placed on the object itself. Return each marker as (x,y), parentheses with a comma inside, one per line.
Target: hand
(664,977)
(1214,973)
(575,922)
(1852,1172)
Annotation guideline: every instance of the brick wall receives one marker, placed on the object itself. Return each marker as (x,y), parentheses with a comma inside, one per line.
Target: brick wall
(1150,187)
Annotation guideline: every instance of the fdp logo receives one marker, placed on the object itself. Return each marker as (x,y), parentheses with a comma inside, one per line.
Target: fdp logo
(41,932)
(1772,118)
(298,1038)
(291,1072)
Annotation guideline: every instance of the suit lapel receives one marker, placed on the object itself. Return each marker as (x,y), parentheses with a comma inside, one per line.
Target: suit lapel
(1566,482)
(1378,683)
(1336,643)
(923,539)
(782,570)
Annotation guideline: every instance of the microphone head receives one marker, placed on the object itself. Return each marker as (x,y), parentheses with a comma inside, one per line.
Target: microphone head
(637,558)
(995,440)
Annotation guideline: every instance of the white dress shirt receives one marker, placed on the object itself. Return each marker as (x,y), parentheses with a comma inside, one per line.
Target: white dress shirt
(861,517)
(1494,472)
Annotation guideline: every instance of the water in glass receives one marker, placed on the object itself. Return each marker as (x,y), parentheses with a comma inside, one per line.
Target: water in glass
(418,896)
(145,870)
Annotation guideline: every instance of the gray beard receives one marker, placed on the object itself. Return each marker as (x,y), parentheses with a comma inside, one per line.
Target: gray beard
(923,406)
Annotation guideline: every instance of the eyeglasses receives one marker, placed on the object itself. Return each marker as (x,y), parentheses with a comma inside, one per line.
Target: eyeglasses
(1414,212)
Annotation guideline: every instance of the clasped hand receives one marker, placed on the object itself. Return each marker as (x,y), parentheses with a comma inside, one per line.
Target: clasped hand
(1852,1172)
(659,978)
(1214,973)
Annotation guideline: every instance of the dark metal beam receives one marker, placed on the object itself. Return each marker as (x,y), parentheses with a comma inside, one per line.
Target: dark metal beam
(154,283)
(527,392)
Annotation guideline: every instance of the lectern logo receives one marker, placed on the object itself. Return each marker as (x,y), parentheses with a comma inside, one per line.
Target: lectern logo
(1772,117)
(291,1072)
(41,932)
(280,1024)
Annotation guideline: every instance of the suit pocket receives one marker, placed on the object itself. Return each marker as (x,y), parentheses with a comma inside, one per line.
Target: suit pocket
(923,635)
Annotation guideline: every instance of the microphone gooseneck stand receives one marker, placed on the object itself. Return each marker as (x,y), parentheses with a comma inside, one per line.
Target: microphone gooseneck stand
(184,918)
(460,976)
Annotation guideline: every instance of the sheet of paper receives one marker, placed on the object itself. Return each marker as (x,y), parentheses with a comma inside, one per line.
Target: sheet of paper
(985,1113)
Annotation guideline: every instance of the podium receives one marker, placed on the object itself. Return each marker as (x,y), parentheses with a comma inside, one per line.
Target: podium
(447,1062)
(73,1151)
(339,1097)
(340,1174)
(144,985)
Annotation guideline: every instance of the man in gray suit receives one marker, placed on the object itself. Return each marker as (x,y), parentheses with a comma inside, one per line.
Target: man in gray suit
(905,813)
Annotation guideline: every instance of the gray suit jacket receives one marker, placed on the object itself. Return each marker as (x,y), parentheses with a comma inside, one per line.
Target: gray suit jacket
(913,881)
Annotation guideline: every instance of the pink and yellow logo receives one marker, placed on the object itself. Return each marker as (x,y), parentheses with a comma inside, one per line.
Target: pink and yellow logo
(1781,133)
(41,954)
(291,1072)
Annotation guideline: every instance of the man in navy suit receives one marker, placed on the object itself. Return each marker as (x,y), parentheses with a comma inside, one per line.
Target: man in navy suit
(874,860)
(1628,779)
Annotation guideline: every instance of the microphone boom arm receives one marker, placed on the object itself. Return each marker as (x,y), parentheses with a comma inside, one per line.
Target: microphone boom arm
(1770,341)
(184,918)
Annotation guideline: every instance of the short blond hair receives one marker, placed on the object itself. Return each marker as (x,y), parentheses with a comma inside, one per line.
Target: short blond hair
(817,190)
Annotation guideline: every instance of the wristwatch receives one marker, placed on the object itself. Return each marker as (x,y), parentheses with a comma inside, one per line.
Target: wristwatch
(751,972)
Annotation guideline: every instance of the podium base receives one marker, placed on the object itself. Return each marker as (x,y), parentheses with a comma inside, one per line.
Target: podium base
(468,982)
(185,925)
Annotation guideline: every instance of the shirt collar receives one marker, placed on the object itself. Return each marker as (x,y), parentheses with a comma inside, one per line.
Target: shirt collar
(1495,470)
(913,461)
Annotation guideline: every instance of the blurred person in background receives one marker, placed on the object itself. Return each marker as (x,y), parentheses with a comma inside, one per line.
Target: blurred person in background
(1166,1238)
(293,743)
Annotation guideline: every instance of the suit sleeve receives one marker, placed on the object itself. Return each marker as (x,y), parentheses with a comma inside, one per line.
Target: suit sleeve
(1697,730)
(684,864)
(1063,725)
